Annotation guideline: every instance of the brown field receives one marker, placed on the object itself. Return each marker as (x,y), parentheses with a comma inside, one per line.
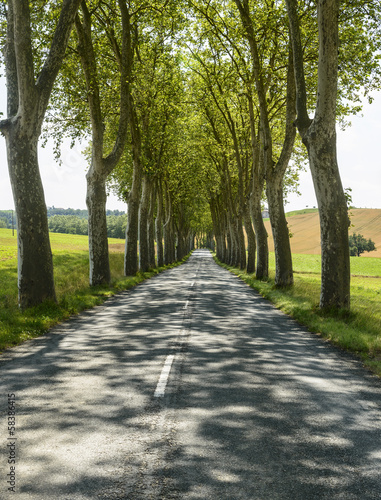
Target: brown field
(306,236)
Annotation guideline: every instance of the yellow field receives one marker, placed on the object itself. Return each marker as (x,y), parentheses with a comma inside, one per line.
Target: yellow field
(306,233)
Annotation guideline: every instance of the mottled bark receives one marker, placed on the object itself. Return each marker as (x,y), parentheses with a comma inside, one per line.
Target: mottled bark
(241,243)
(255,208)
(102,166)
(35,264)
(319,136)
(98,241)
(169,233)
(132,230)
(159,228)
(151,229)
(27,101)
(143,224)
(333,215)
(169,243)
(229,249)
(251,245)
(282,249)
(261,236)
(274,190)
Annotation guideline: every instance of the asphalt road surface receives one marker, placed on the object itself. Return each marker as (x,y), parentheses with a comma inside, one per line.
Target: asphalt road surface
(189,386)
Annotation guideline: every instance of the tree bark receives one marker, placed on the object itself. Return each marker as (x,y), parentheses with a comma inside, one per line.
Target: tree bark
(35,263)
(255,208)
(261,236)
(151,228)
(241,243)
(319,136)
(251,246)
(143,224)
(169,234)
(101,167)
(274,189)
(283,259)
(159,227)
(98,241)
(27,101)
(132,230)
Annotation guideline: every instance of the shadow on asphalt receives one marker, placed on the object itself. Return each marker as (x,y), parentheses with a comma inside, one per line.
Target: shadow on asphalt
(256,408)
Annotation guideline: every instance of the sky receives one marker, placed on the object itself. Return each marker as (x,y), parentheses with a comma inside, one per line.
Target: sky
(359,159)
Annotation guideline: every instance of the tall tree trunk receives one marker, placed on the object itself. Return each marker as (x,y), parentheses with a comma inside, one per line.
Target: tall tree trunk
(159,227)
(223,238)
(262,269)
(334,221)
(319,136)
(169,243)
(98,241)
(27,101)
(35,263)
(241,243)
(151,228)
(251,246)
(169,234)
(255,208)
(101,167)
(143,224)
(274,189)
(229,249)
(283,259)
(132,230)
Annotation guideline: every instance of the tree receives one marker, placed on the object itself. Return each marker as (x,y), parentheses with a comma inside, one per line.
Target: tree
(358,245)
(102,165)
(274,171)
(28,94)
(354,67)
(319,136)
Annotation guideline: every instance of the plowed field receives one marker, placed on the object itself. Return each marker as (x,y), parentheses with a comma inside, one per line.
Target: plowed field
(306,234)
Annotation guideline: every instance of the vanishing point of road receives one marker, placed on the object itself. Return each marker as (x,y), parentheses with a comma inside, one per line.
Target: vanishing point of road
(189,386)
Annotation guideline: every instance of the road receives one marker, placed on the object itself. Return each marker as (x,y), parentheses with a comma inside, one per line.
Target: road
(189,386)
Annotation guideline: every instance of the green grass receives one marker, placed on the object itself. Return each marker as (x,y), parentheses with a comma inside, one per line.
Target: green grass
(71,274)
(301,212)
(357,331)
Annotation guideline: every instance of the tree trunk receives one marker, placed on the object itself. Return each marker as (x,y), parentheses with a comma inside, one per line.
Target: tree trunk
(131,245)
(159,228)
(132,229)
(169,243)
(169,234)
(27,101)
(35,263)
(143,225)
(262,270)
(319,136)
(98,241)
(151,229)
(283,259)
(334,221)
(241,244)
(251,246)
(101,167)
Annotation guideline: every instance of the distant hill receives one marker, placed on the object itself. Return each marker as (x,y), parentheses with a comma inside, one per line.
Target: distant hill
(306,232)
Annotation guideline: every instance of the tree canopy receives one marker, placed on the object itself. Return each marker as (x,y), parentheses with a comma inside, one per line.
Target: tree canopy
(358,244)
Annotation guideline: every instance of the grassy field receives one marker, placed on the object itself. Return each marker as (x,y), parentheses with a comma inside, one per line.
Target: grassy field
(358,331)
(71,264)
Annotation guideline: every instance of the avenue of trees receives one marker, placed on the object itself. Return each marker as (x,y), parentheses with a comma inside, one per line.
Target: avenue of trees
(195,112)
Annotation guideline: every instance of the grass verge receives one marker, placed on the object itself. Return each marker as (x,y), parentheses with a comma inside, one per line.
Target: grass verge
(72,288)
(357,331)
